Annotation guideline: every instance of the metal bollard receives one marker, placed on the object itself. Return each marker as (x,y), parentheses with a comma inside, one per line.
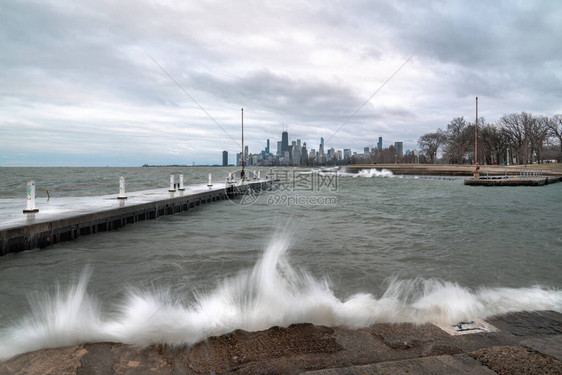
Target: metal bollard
(172,185)
(30,198)
(122,188)
(210,183)
(181,187)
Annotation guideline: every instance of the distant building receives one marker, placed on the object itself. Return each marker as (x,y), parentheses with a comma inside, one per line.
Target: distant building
(399,147)
(379,144)
(267,147)
(224,158)
(366,151)
(346,153)
(279,148)
(284,142)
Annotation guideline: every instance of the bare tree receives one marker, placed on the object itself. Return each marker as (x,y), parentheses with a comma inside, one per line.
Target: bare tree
(458,140)
(516,125)
(493,143)
(538,132)
(554,125)
(430,143)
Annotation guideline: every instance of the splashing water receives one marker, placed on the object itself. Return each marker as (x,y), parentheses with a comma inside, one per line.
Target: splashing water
(272,293)
(365,173)
(374,173)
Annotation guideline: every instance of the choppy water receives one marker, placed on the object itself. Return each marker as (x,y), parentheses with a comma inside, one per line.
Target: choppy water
(380,249)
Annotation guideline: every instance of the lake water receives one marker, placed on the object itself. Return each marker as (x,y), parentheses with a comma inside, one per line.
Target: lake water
(326,248)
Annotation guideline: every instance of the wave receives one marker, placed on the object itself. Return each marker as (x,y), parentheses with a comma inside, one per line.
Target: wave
(272,293)
(366,173)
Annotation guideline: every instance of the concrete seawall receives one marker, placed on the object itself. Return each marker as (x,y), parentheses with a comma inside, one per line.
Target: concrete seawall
(457,170)
(39,230)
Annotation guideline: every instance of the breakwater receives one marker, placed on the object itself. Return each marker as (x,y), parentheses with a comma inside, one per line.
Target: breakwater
(68,219)
(459,170)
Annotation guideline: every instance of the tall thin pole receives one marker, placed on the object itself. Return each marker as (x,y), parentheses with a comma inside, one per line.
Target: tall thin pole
(243,156)
(476,173)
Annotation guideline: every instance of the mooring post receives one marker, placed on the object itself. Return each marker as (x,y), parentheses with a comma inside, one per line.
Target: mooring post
(172,185)
(210,183)
(259,175)
(30,208)
(181,187)
(122,188)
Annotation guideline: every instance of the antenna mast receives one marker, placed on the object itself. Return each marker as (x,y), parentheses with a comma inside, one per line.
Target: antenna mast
(476,168)
(243,156)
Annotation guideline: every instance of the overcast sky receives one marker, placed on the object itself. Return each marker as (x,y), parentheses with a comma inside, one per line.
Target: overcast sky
(78,85)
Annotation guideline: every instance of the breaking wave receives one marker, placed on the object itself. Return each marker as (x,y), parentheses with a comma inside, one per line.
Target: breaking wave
(366,173)
(272,293)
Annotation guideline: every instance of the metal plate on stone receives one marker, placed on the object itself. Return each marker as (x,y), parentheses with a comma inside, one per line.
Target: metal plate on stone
(467,327)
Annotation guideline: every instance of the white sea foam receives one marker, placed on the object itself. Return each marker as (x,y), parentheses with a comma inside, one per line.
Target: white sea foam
(375,173)
(365,173)
(272,293)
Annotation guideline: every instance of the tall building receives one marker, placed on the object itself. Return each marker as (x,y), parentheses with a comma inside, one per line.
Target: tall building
(267,147)
(399,146)
(379,144)
(225,158)
(346,153)
(284,142)
(366,151)
(279,149)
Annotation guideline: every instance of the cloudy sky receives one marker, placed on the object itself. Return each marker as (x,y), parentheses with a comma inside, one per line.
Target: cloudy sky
(78,85)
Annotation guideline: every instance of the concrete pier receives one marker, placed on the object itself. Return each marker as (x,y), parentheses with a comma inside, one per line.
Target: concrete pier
(546,170)
(538,181)
(67,219)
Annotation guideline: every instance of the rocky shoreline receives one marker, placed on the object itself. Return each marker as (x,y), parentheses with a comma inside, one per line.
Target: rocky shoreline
(525,342)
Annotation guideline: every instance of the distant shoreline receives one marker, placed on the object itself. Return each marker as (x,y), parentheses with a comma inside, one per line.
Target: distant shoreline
(458,170)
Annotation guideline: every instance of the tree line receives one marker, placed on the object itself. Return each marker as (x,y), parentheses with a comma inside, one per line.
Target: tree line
(517,138)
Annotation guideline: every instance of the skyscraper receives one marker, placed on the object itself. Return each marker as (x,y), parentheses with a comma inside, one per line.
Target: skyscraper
(379,145)
(284,142)
(267,147)
(224,158)
(399,146)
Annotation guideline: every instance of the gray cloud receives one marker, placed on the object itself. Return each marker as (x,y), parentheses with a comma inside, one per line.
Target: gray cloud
(76,77)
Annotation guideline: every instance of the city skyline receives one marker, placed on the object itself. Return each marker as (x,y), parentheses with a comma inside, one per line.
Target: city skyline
(297,153)
(127,83)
